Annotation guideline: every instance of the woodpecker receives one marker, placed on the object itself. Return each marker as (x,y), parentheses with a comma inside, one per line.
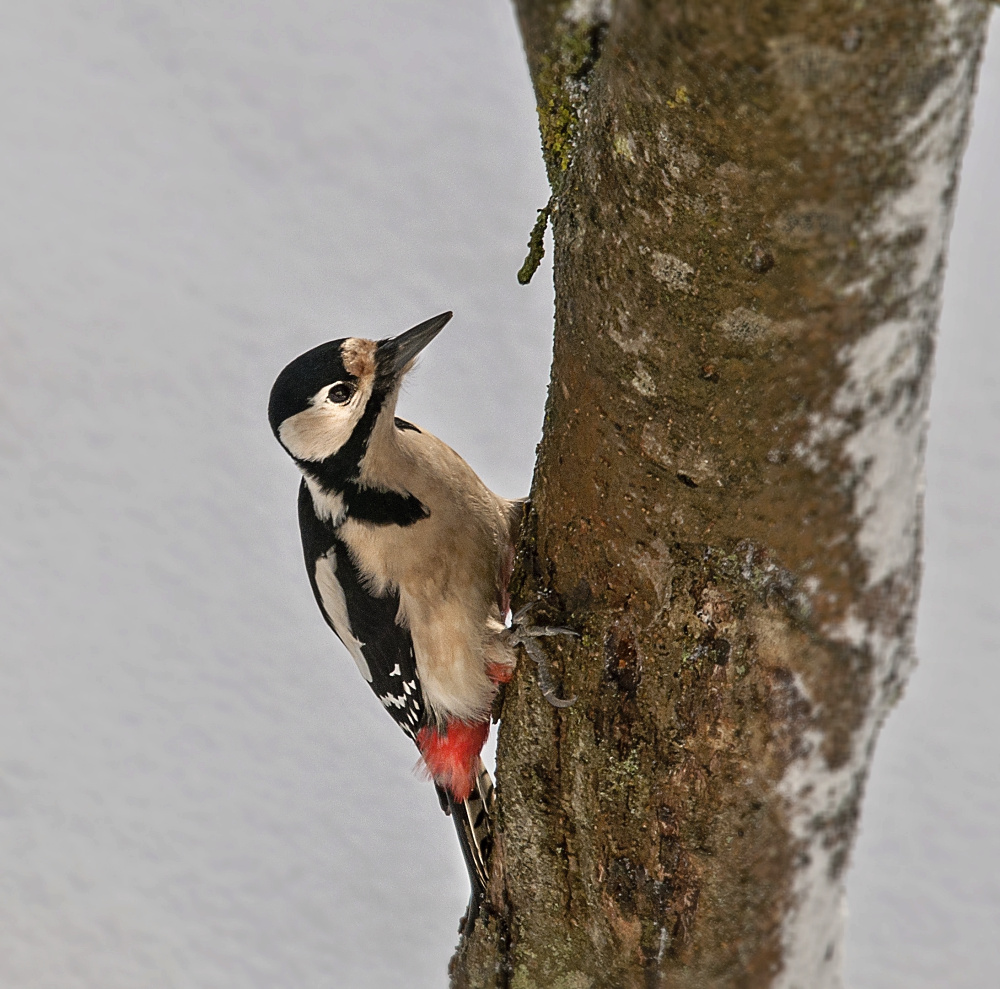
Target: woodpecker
(409,556)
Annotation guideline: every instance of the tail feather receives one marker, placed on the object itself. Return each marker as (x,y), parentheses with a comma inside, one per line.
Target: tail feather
(473,819)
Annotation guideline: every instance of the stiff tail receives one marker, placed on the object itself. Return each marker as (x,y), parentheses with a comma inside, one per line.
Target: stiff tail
(473,819)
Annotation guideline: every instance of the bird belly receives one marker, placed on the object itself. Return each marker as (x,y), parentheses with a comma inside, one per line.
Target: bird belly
(450,650)
(447,600)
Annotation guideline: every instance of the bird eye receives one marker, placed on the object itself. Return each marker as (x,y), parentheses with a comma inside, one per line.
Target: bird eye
(340,392)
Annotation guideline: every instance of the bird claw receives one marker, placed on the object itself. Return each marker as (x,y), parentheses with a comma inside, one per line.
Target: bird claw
(537,631)
(525,635)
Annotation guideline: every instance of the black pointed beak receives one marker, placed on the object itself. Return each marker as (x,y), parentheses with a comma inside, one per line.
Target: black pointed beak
(395,354)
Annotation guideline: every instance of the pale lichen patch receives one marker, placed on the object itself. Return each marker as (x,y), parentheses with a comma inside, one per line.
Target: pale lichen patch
(631,345)
(744,325)
(730,171)
(687,460)
(675,274)
(589,12)
(624,147)
(642,381)
(679,158)
(886,384)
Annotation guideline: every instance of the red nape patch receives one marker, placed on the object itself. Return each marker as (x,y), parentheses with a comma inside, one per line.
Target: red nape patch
(452,756)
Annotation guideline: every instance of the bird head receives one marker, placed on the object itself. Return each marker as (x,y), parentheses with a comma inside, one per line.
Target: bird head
(325,403)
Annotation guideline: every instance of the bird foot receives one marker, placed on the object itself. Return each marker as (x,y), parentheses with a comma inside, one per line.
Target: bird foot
(525,635)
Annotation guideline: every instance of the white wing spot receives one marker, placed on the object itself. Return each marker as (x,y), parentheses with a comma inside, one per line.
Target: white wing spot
(335,605)
(396,671)
(391,700)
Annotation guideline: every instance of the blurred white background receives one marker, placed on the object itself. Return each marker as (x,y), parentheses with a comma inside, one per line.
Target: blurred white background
(196,788)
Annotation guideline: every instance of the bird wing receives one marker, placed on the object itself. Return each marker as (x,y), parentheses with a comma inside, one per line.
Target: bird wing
(363,621)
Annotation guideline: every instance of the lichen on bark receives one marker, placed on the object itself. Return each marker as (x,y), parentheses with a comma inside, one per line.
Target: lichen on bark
(561,69)
(573,33)
(749,234)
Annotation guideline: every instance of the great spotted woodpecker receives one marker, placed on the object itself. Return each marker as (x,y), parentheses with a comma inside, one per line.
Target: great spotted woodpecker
(409,555)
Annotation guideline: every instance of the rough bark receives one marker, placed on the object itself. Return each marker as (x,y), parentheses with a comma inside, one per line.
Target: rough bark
(751,207)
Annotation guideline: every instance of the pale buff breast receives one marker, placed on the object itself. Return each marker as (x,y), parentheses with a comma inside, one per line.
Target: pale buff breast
(445,567)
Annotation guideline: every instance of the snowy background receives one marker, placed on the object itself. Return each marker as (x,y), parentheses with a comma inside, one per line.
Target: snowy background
(196,788)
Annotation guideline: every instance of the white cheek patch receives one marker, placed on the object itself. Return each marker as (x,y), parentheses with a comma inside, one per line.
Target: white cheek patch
(321,430)
(335,605)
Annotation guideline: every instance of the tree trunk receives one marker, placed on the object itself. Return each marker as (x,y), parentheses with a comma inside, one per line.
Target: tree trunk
(751,207)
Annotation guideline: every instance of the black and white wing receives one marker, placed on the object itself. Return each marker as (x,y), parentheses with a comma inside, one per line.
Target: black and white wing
(364,622)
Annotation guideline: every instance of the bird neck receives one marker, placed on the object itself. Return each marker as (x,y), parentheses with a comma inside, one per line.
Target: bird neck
(336,472)
(339,486)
